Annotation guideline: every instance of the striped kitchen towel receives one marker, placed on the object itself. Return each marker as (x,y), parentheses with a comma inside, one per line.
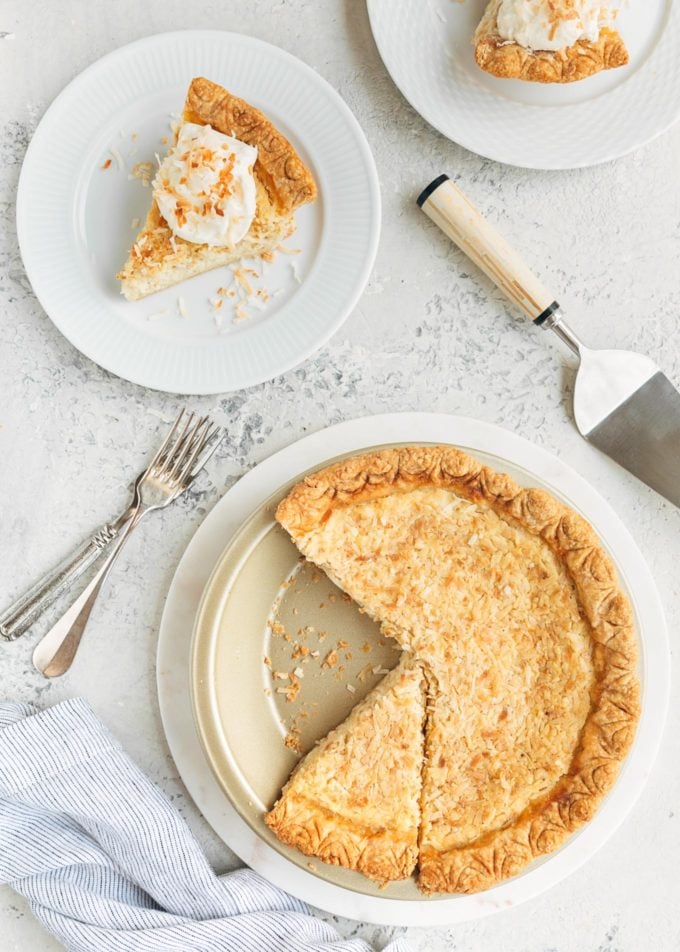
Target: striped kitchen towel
(108,864)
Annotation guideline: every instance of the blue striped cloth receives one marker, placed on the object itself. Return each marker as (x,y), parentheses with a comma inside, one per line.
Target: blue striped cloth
(108,864)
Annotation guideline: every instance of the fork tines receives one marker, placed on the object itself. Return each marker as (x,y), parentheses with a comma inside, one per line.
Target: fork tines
(190,435)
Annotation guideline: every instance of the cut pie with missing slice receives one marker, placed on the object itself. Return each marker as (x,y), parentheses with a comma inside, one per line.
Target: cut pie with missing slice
(229,188)
(549,41)
(354,800)
(508,600)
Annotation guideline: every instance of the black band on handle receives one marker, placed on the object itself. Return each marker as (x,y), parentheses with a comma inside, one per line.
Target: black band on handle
(432,187)
(542,318)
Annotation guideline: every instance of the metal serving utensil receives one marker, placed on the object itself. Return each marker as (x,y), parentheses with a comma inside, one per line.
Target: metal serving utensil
(623,403)
(185,451)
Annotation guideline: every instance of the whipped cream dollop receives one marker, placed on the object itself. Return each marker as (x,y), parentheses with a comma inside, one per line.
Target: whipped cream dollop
(205,187)
(553,24)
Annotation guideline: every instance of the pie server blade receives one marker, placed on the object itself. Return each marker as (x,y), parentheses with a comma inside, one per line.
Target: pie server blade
(623,403)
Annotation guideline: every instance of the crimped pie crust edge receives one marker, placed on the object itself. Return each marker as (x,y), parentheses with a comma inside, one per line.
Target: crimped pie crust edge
(610,727)
(585,58)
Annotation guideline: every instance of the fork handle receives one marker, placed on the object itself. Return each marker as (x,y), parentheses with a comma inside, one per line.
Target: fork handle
(28,607)
(55,652)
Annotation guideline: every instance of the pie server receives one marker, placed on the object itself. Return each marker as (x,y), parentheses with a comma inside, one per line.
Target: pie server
(623,403)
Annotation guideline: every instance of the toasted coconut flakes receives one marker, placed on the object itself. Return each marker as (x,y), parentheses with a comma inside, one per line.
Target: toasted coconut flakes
(222,292)
(282,690)
(118,157)
(267,255)
(241,312)
(268,661)
(330,660)
(280,675)
(299,673)
(332,597)
(107,164)
(240,275)
(293,743)
(348,656)
(288,251)
(343,644)
(315,654)
(376,669)
(182,307)
(364,673)
(277,628)
(350,688)
(366,648)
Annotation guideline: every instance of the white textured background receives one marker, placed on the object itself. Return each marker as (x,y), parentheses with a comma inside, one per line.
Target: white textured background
(430,334)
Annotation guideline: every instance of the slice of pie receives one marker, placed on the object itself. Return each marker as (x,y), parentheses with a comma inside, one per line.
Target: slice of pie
(227,190)
(508,600)
(549,41)
(354,800)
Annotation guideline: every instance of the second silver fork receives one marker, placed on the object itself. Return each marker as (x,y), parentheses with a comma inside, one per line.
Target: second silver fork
(172,470)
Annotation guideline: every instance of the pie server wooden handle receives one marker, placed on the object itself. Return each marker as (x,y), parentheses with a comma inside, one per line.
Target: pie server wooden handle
(448,207)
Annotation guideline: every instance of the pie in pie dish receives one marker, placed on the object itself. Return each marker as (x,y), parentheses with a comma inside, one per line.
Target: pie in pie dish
(355,799)
(507,601)
(549,41)
(227,190)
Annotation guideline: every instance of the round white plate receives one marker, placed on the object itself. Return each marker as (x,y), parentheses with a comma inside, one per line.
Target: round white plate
(426,46)
(75,218)
(528,464)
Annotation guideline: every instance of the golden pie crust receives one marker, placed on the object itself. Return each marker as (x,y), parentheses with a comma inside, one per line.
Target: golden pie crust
(283,183)
(355,800)
(508,600)
(509,60)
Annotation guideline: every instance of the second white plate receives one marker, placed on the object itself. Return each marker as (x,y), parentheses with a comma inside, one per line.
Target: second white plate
(426,47)
(78,204)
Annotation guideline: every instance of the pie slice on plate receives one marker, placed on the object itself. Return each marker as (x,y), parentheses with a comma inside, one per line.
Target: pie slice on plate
(354,800)
(509,602)
(227,190)
(549,41)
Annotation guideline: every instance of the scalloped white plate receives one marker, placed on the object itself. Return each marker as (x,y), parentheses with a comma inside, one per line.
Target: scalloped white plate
(75,217)
(529,465)
(426,47)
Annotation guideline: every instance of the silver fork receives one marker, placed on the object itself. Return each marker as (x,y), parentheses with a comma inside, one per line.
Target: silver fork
(18,617)
(187,448)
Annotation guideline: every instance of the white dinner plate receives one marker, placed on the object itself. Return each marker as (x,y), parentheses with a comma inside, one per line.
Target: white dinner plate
(76,215)
(426,46)
(528,464)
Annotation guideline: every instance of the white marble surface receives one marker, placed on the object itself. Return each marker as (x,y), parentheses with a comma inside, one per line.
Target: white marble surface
(430,334)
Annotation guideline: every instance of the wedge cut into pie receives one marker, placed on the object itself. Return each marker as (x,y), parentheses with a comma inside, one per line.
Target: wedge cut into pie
(354,801)
(227,190)
(508,601)
(549,41)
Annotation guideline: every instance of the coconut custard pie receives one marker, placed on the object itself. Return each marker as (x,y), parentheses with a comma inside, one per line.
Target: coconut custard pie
(227,189)
(549,41)
(514,627)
